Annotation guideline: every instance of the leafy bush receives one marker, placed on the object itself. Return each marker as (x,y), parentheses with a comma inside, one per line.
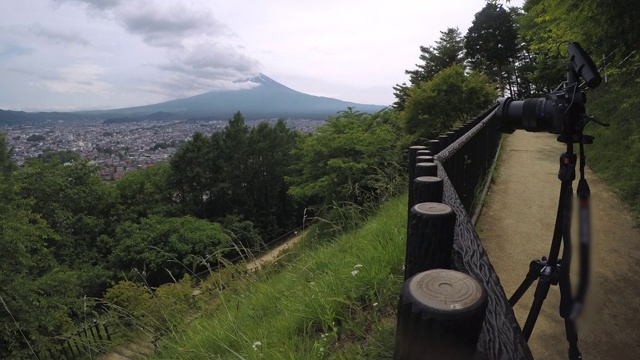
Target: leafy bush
(162,249)
(352,158)
(435,106)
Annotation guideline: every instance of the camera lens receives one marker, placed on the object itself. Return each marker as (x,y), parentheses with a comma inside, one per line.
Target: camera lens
(534,114)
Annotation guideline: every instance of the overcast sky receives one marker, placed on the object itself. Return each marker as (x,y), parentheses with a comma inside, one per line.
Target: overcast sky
(99,54)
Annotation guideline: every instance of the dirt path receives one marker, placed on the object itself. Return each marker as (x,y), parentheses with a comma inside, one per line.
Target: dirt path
(516,226)
(273,253)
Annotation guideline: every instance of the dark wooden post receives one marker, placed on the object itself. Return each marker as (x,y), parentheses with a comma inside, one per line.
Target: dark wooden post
(440,316)
(75,342)
(97,325)
(422,158)
(426,169)
(427,189)
(413,150)
(459,131)
(444,141)
(429,238)
(106,330)
(452,136)
(424,153)
(434,146)
(70,348)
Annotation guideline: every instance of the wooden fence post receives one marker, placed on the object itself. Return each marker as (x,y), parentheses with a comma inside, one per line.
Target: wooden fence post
(440,316)
(429,238)
(413,150)
(423,158)
(106,330)
(426,169)
(444,141)
(452,136)
(434,147)
(97,325)
(424,153)
(427,189)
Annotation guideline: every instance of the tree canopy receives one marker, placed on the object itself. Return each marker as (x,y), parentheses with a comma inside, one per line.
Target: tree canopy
(451,96)
(341,161)
(491,43)
(448,50)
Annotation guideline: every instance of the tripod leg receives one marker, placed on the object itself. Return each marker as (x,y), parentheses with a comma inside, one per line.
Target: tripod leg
(565,311)
(540,295)
(572,338)
(533,274)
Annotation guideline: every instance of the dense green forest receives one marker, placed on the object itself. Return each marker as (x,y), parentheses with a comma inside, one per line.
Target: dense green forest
(67,238)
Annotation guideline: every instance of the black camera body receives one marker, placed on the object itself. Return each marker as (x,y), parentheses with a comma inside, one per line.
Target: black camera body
(560,112)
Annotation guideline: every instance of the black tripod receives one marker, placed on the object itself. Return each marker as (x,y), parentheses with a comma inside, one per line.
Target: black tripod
(554,270)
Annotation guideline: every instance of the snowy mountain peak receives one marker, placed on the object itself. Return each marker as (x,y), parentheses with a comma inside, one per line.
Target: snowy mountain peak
(263,79)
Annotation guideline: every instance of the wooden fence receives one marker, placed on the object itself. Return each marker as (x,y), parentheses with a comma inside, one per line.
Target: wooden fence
(452,305)
(82,343)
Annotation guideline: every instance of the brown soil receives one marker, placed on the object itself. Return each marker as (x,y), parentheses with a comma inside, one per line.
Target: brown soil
(517,226)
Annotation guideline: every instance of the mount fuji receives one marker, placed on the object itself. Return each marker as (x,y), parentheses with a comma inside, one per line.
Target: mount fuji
(265,99)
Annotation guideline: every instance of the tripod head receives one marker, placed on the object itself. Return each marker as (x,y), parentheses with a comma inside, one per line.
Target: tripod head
(559,112)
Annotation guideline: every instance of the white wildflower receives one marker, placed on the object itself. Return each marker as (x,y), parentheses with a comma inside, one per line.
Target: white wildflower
(354,272)
(256,344)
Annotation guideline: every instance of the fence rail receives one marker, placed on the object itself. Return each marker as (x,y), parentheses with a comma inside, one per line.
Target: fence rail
(463,159)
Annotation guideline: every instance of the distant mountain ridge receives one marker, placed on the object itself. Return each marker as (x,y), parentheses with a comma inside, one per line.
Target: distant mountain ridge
(266,99)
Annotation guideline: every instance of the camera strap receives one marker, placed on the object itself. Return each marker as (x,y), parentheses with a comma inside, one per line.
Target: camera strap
(584,194)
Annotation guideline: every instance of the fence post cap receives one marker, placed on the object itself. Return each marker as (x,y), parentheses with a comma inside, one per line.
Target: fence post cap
(428,179)
(432,208)
(424,158)
(444,294)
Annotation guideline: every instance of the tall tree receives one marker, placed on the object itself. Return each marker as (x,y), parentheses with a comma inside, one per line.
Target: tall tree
(268,160)
(196,168)
(449,50)
(491,43)
(608,30)
(235,142)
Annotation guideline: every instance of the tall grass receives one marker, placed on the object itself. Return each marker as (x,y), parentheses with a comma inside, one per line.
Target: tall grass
(333,299)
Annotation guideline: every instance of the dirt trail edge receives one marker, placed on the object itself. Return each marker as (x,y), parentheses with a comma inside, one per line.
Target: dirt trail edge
(273,253)
(516,226)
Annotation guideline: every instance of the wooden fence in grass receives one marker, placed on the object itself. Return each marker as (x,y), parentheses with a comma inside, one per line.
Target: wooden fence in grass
(84,342)
(452,305)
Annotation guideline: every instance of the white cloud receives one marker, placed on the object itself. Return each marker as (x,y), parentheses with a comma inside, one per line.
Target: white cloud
(116,53)
(78,79)
(58,36)
(169,24)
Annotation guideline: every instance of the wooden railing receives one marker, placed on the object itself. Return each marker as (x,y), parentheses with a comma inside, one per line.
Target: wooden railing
(461,310)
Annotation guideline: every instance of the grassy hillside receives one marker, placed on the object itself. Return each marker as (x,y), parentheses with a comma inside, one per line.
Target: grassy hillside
(615,154)
(336,301)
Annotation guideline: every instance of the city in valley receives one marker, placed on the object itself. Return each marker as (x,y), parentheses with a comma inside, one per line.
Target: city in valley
(116,148)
